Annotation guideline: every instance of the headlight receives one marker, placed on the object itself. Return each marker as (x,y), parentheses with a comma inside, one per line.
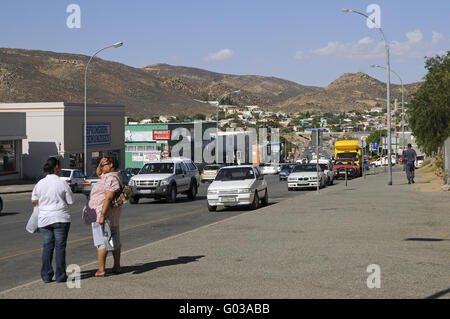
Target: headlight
(212,192)
(164,182)
(244,190)
(131,183)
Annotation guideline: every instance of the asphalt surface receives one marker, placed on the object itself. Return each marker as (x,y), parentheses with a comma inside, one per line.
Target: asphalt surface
(141,224)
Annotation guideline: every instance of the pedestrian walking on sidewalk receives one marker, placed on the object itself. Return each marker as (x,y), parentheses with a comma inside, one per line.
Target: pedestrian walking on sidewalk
(100,199)
(410,160)
(53,197)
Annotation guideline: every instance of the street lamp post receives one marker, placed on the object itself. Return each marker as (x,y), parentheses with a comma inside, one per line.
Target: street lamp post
(116,45)
(386,46)
(217,123)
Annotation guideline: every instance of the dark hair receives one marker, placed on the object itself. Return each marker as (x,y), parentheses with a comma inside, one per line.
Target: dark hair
(113,160)
(409,145)
(49,166)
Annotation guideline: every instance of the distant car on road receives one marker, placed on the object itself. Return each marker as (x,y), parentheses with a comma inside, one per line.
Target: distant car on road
(238,185)
(285,170)
(90,181)
(165,179)
(419,162)
(73,177)
(305,176)
(133,170)
(269,169)
(209,172)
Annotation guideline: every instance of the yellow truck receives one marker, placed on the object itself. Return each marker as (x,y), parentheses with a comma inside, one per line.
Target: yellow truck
(349,149)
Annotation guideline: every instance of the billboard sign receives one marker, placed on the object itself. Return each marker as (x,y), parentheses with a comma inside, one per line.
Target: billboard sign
(161,135)
(96,134)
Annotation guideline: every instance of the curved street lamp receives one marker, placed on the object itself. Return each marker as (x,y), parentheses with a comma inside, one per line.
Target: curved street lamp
(116,45)
(386,46)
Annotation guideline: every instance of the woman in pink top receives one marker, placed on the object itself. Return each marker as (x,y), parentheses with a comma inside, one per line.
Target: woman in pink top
(100,202)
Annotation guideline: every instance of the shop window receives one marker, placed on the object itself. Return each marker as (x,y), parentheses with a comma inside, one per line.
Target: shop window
(7,157)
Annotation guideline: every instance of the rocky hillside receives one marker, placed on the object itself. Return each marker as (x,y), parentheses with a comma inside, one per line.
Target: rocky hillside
(35,76)
(351,91)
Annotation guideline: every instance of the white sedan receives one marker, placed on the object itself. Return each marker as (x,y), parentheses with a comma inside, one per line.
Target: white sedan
(269,169)
(305,176)
(238,185)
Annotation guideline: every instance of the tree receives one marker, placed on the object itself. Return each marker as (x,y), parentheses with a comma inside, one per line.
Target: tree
(200,116)
(429,110)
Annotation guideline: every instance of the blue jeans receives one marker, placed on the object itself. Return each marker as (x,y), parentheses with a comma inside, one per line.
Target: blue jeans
(55,238)
(410,170)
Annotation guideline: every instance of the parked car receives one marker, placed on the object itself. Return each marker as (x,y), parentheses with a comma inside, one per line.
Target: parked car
(285,170)
(89,181)
(268,169)
(74,177)
(238,185)
(209,172)
(133,170)
(165,179)
(305,176)
(343,165)
(327,169)
(419,162)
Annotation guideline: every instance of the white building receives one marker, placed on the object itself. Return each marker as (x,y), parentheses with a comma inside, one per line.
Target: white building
(57,128)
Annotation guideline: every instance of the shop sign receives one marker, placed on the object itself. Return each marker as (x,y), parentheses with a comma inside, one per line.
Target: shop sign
(97,134)
(152,156)
(161,135)
(137,157)
(138,136)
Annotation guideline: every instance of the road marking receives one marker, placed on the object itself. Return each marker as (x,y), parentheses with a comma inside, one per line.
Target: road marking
(122,230)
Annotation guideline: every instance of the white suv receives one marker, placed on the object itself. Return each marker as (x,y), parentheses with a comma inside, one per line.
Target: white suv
(238,185)
(165,179)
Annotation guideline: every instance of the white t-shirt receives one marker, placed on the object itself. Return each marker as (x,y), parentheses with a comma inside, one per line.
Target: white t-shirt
(54,196)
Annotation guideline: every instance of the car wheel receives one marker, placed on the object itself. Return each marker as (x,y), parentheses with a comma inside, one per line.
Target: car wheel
(192,191)
(265,200)
(134,199)
(172,194)
(255,204)
(289,189)
(211,208)
(1,204)
(332,181)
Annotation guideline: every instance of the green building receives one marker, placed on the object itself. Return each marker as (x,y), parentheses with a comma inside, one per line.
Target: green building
(146,142)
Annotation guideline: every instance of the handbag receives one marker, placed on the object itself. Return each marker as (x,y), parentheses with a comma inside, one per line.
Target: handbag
(121,196)
(32,225)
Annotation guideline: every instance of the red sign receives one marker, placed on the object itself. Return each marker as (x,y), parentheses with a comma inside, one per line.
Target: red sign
(165,154)
(161,135)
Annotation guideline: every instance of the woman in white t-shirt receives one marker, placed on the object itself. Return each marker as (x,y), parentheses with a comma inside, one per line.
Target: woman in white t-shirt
(53,196)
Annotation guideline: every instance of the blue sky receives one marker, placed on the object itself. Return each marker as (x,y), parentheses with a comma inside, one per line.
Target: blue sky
(309,42)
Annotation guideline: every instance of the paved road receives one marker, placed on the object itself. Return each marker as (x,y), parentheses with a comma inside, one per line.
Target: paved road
(149,221)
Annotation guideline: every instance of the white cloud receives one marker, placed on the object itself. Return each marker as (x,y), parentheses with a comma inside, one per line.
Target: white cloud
(224,54)
(415,36)
(366,48)
(437,37)
(299,55)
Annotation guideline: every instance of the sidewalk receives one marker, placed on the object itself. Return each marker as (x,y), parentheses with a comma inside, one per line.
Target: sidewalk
(16,186)
(310,246)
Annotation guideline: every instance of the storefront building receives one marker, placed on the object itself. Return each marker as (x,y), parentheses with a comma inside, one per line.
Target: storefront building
(12,132)
(146,142)
(57,129)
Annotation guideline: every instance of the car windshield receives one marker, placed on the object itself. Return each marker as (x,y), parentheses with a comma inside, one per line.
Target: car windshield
(65,173)
(286,167)
(305,168)
(235,174)
(211,167)
(93,175)
(420,158)
(157,168)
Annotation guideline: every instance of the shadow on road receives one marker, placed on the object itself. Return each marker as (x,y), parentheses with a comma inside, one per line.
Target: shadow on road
(8,214)
(439,294)
(142,268)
